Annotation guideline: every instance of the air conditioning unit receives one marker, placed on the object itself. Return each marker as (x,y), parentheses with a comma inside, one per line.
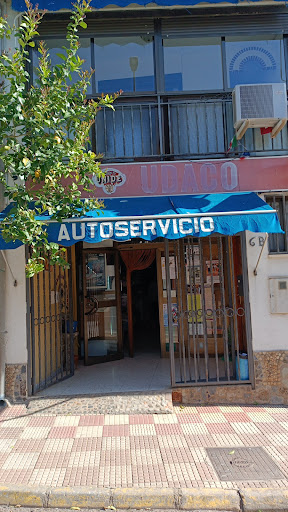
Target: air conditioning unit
(259,106)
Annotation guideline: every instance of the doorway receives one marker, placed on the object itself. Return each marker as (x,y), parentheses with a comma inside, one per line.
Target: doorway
(146,326)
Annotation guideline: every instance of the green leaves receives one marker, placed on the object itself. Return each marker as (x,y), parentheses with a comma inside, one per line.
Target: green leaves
(44,135)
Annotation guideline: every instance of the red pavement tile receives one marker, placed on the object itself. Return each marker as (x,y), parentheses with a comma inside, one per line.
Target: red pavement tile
(14,411)
(204,440)
(81,476)
(15,476)
(10,433)
(115,458)
(88,421)
(280,416)
(255,439)
(189,418)
(62,432)
(220,428)
(116,430)
(175,455)
(253,408)
(87,444)
(42,421)
(141,419)
(237,417)
(211,409)
(29,445)
(270,428)
(50,460)
(168,429)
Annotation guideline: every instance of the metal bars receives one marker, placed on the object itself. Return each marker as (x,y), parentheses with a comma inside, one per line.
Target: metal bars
(278,242)
(200,126)
(51,314)
(210,315)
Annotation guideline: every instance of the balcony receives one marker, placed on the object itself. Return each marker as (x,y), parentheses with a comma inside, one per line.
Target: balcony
(199,127)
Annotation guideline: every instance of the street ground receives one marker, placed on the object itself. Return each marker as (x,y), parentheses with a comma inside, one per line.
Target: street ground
(8,508)
(215,447)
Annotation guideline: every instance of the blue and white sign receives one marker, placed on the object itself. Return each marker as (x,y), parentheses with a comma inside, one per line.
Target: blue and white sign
(169,217)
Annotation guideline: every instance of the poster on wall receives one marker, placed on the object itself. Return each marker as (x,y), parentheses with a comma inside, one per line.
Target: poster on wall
(172,270)
(212,269)
(174,314)
(95,272)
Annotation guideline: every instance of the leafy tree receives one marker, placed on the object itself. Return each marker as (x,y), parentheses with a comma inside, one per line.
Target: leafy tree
(44,136)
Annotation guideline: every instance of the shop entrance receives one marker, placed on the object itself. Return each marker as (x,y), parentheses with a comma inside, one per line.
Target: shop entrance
(145,311)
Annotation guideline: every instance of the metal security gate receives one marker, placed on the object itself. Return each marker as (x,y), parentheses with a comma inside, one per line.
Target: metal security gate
(51,327)
(209,339)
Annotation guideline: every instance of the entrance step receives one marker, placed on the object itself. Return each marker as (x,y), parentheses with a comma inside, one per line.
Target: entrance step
(154,402)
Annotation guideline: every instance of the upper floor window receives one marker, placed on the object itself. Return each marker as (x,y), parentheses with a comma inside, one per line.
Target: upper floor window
(125,63)
(55,46)
(253,60)
(278,242)
(193,64)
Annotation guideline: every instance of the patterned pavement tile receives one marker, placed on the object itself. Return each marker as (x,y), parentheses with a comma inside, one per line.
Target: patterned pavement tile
(20,460)
(165,419)
(190,418)
(168,429)
(142,419)
(15,476)
(200,440)
(261,417)
(41,421)
(58,445)
(227,440)
(90,431)
(231,409)
(62,432)
(117,419)
(81,459)
(195,428)
(6,444)
(11,433)
(35,433)
(17,422)
(89,421)
(237,417)
(160,450)
(143,430)
(52,477)
(220,428)
(29,445)
(245,428)
(213,409)
(50,460)
(67,421)
(116,430)
(213,417)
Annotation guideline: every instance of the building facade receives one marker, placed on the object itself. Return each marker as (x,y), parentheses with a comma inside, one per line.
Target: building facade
(217,305)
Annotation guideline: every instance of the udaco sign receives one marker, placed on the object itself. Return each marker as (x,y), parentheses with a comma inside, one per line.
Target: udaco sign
(193,177)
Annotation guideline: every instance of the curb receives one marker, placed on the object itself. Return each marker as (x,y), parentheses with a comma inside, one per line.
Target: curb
(206,499)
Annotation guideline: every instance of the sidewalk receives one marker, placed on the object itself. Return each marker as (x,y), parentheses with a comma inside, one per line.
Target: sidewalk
(146,451)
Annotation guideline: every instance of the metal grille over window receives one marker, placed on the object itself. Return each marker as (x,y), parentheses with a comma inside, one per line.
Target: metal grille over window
(278,241)
(208,339)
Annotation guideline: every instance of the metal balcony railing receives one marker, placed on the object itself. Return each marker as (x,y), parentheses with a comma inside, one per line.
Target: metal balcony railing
(198,127)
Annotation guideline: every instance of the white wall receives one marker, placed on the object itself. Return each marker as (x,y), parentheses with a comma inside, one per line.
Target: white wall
(269,331)
(15,338)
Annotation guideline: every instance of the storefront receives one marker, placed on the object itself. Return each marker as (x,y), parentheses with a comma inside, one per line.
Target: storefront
(159,274)
(192,306)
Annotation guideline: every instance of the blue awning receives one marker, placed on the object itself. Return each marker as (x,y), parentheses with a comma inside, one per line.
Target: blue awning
(169,217)
(56,5)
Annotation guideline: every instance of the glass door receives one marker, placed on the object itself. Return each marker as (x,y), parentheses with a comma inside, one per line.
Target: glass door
(102,306)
